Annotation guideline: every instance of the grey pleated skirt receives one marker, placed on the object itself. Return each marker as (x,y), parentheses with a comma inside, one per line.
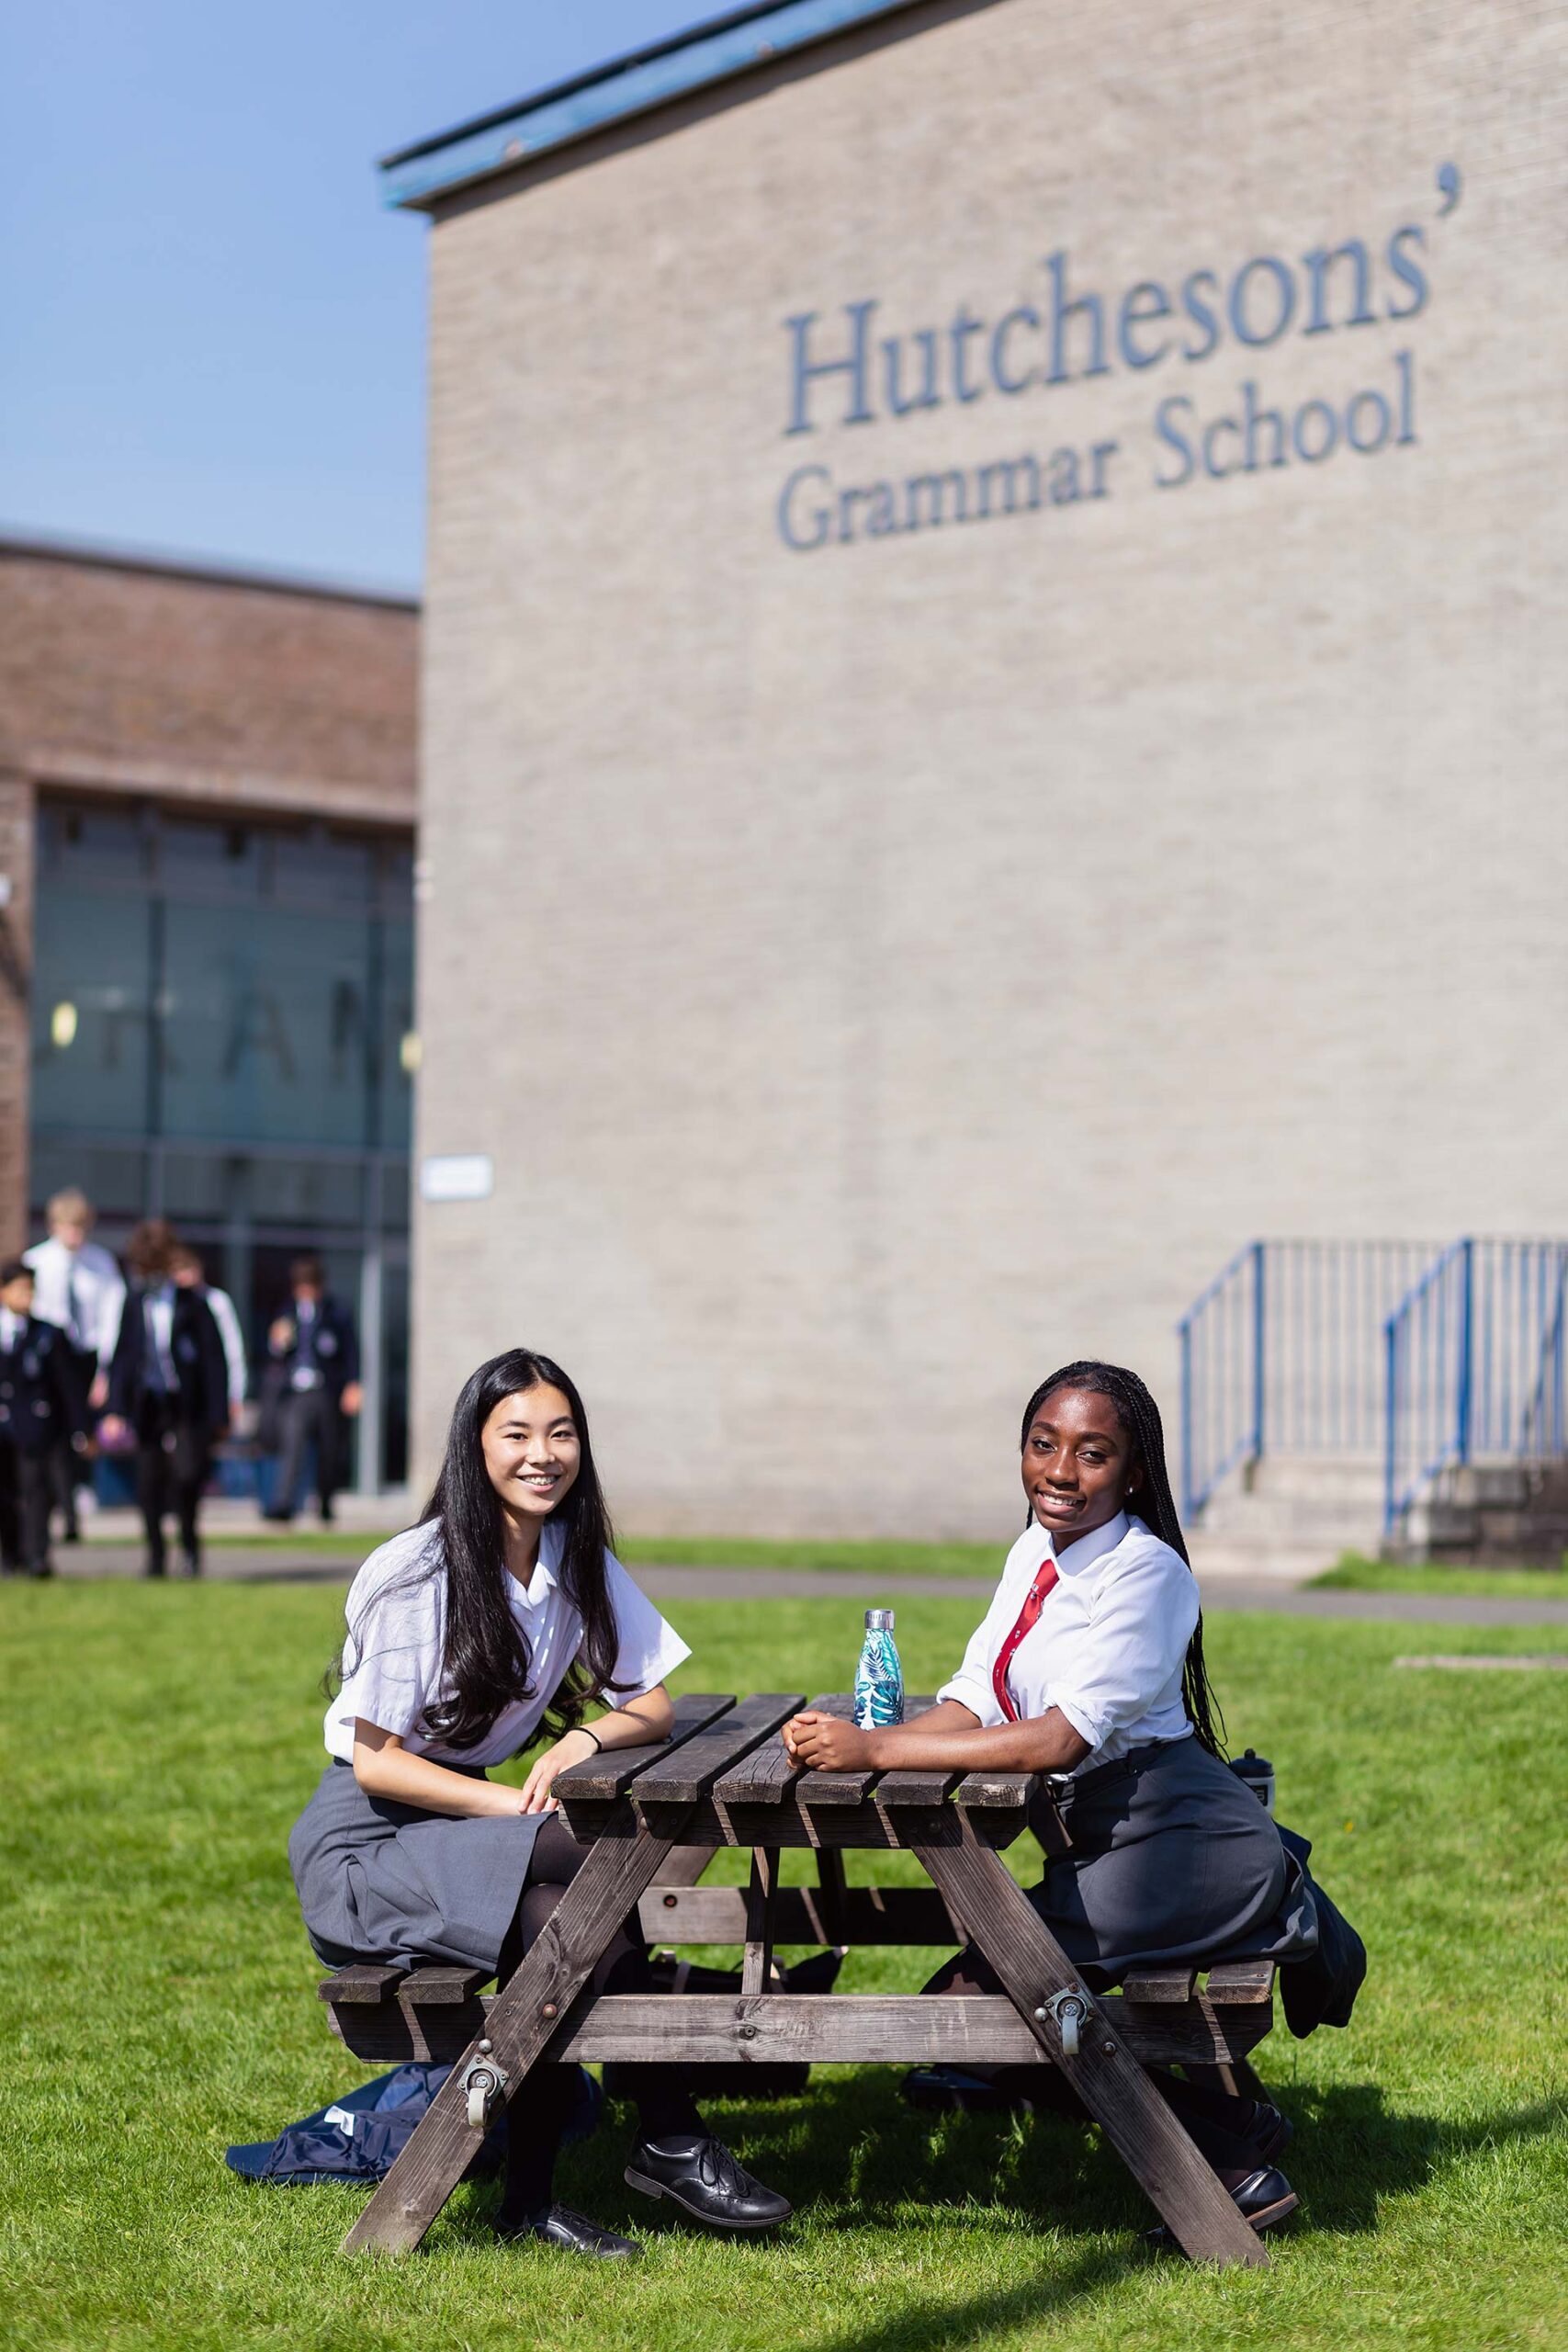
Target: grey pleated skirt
(1174,1860)
(387,1882)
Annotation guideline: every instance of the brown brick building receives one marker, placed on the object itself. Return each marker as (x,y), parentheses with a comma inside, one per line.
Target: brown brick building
(206,811)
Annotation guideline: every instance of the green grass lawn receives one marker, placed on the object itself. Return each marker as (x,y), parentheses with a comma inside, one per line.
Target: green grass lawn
(1355,1574)
(158,2001)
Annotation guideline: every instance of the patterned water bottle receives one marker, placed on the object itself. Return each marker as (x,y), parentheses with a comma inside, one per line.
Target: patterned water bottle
(879,1677)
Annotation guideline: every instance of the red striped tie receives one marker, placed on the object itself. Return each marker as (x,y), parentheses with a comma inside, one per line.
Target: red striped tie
(1028,1617)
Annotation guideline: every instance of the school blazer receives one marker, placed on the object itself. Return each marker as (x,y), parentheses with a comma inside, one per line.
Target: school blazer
(201,1371)
(38,1395)
(337,1350)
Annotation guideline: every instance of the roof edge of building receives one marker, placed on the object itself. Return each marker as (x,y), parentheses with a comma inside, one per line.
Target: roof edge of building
(718,49)
(213,571)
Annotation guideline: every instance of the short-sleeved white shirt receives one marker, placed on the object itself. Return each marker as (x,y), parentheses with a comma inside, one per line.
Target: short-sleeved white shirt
(1108,1647)
(391,1658)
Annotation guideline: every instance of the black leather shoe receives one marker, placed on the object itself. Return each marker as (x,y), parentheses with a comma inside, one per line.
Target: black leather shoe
(1263,2200)
(573,2233)
(191,1563)
(701,2176)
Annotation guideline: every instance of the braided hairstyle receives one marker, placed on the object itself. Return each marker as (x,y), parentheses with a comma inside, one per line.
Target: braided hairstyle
(1156,1505)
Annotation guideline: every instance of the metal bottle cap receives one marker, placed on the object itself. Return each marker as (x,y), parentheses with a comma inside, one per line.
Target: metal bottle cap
(879,1620)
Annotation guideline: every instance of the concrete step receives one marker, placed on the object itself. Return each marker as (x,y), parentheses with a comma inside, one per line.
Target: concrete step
(1259,1557)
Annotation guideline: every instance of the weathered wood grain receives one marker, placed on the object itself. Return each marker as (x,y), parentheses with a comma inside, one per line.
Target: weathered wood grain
(763,1777)
(1105,2074)
(520,2021)
(757,1958)
(1242,1980)
(682,1774)
(441,1987)
(600,1779)
(360,1985)
(848,1788)
(1152,1987)
(1204,2039)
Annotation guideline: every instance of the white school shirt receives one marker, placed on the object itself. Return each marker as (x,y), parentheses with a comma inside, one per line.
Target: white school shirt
(229,1331)
(99,1287)
(391,1660)
(1108,1647)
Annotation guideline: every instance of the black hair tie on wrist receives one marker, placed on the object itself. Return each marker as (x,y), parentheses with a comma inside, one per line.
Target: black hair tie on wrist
(598,1743)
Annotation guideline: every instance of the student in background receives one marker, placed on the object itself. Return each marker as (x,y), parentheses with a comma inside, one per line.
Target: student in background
(79,1288)
(169,1389)
(190,1274)
(313,1389)
(38,1415)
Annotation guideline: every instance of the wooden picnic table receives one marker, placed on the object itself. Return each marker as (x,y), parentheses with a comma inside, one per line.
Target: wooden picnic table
(653,1817)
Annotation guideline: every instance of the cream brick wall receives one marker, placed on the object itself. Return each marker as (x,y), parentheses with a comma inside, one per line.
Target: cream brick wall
(882,972)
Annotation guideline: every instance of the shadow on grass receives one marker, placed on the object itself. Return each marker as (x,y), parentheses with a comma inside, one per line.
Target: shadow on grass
(850,2155)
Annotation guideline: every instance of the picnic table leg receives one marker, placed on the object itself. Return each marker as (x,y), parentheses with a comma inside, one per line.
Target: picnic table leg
(1033,1970)
(523,2018)
(760,1893)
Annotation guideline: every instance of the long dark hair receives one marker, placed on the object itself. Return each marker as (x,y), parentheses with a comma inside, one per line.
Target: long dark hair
(486,1659)
(1153,1502)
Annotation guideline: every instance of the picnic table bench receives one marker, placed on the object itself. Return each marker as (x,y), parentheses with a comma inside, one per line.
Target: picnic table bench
(654,1816)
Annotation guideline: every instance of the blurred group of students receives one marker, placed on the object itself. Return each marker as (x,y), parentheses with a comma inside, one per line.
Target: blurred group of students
(151,1363)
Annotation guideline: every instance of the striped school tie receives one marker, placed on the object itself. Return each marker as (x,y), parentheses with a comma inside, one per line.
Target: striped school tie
(1028,1617)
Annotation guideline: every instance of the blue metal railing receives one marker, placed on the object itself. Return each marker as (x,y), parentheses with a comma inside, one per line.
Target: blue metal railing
(1284,1354)
(1474,1366)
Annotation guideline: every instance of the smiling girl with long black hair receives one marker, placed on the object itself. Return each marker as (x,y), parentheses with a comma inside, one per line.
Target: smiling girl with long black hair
(503,1611)
(1089,1664)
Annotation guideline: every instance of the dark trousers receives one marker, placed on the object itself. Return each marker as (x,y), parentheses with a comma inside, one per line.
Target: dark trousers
(661,2093)
(172,1457)
(24,1508)
(68,1469)
(307,1416)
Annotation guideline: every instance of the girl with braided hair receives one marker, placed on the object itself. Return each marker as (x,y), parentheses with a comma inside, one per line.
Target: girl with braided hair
(1088,1665)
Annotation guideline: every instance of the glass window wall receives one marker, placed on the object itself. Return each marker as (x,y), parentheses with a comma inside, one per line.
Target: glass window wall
(222,1034)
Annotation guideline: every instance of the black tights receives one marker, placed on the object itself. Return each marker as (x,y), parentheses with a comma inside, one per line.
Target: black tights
(537,2119)
(1215,2123)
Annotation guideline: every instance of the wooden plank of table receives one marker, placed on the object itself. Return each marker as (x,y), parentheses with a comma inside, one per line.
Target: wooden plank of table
(1152,1987)
(357,1986)
(1106,2074)
(521,2019)
(1197,2036)
(844,1826)
(802,1915)
(442,1987)
(758,1956)
(995,1791)
(845,1788)
(600,1779)
(763,1776)
(922,1788)
(1242,1980)
(685,1773)
(698,2029)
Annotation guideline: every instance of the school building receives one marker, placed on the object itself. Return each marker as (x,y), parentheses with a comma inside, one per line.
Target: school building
(995,708)
(206,828)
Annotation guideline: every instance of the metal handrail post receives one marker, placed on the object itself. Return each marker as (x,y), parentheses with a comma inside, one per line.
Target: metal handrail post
(1391,1420)
(1464,1386)
(1259,1378)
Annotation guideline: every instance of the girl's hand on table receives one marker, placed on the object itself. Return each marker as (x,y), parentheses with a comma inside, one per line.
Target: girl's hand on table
(573,1748)
(826,1744)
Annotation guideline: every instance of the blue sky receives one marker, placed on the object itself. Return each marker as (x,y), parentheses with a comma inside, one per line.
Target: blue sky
(211,333)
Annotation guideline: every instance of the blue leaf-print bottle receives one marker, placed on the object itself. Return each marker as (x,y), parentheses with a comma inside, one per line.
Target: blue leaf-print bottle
(879,1677)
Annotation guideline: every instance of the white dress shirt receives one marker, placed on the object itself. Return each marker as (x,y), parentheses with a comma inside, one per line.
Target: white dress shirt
(1109,1645)
(92,1275)
(391,1660)
(13,1330)
(233,1341)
